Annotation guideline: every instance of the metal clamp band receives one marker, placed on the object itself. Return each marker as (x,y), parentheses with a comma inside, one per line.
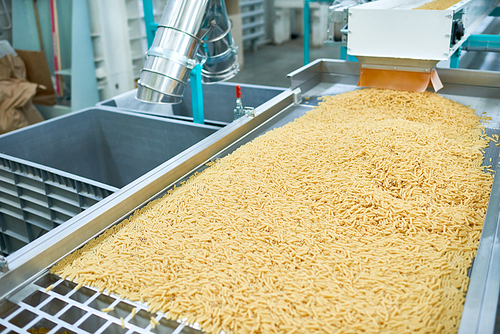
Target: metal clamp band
(156,90)
(219,37)
(163,75)
(157,51)
(182,31)
(234,68)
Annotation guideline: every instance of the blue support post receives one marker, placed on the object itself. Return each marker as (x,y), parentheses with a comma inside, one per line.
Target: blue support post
(345,56)
(351,58)
(455,58)
(149,20)
(343,52)
(307,30)
(197,95)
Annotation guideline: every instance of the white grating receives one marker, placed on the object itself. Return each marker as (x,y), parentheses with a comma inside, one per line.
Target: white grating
(78,311)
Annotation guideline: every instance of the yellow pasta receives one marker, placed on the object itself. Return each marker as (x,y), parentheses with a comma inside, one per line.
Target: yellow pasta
(362,215)
(42,330)
(50,287)
(438,4)
(107,309)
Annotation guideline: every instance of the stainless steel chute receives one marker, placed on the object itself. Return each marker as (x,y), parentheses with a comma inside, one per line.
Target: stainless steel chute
(28,276)
(189,31)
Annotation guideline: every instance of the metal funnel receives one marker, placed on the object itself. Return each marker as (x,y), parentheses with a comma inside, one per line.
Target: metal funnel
(219,55)
(183,28)
(172,55)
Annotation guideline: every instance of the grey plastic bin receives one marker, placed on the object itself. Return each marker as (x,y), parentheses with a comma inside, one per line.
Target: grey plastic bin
(219,101)
(51,171)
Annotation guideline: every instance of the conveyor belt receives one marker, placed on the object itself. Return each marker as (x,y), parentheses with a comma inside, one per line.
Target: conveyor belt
(63,308)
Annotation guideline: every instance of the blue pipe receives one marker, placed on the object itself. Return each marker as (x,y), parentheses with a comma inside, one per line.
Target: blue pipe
(484,38)
(482,41)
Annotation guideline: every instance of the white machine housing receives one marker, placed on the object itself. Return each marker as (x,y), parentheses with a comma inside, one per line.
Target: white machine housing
(393,29)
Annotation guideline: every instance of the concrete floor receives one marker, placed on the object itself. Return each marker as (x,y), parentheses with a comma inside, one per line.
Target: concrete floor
(270,64)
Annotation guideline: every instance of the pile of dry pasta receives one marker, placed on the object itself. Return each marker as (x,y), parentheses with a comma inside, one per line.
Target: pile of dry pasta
(42,330)
(362,215)
(438,5)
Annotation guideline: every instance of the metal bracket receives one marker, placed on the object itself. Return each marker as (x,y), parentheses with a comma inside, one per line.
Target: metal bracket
(4,265)
(249,111)
(297,96)
(396,68)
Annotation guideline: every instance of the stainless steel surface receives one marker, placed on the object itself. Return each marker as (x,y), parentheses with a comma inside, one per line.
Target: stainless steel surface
(183,28)
(215,23)
(327,76)
(184,15)
(481,89)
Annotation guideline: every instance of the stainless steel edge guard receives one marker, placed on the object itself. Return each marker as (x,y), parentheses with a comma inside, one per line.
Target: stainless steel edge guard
(45,251)
(476,304)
